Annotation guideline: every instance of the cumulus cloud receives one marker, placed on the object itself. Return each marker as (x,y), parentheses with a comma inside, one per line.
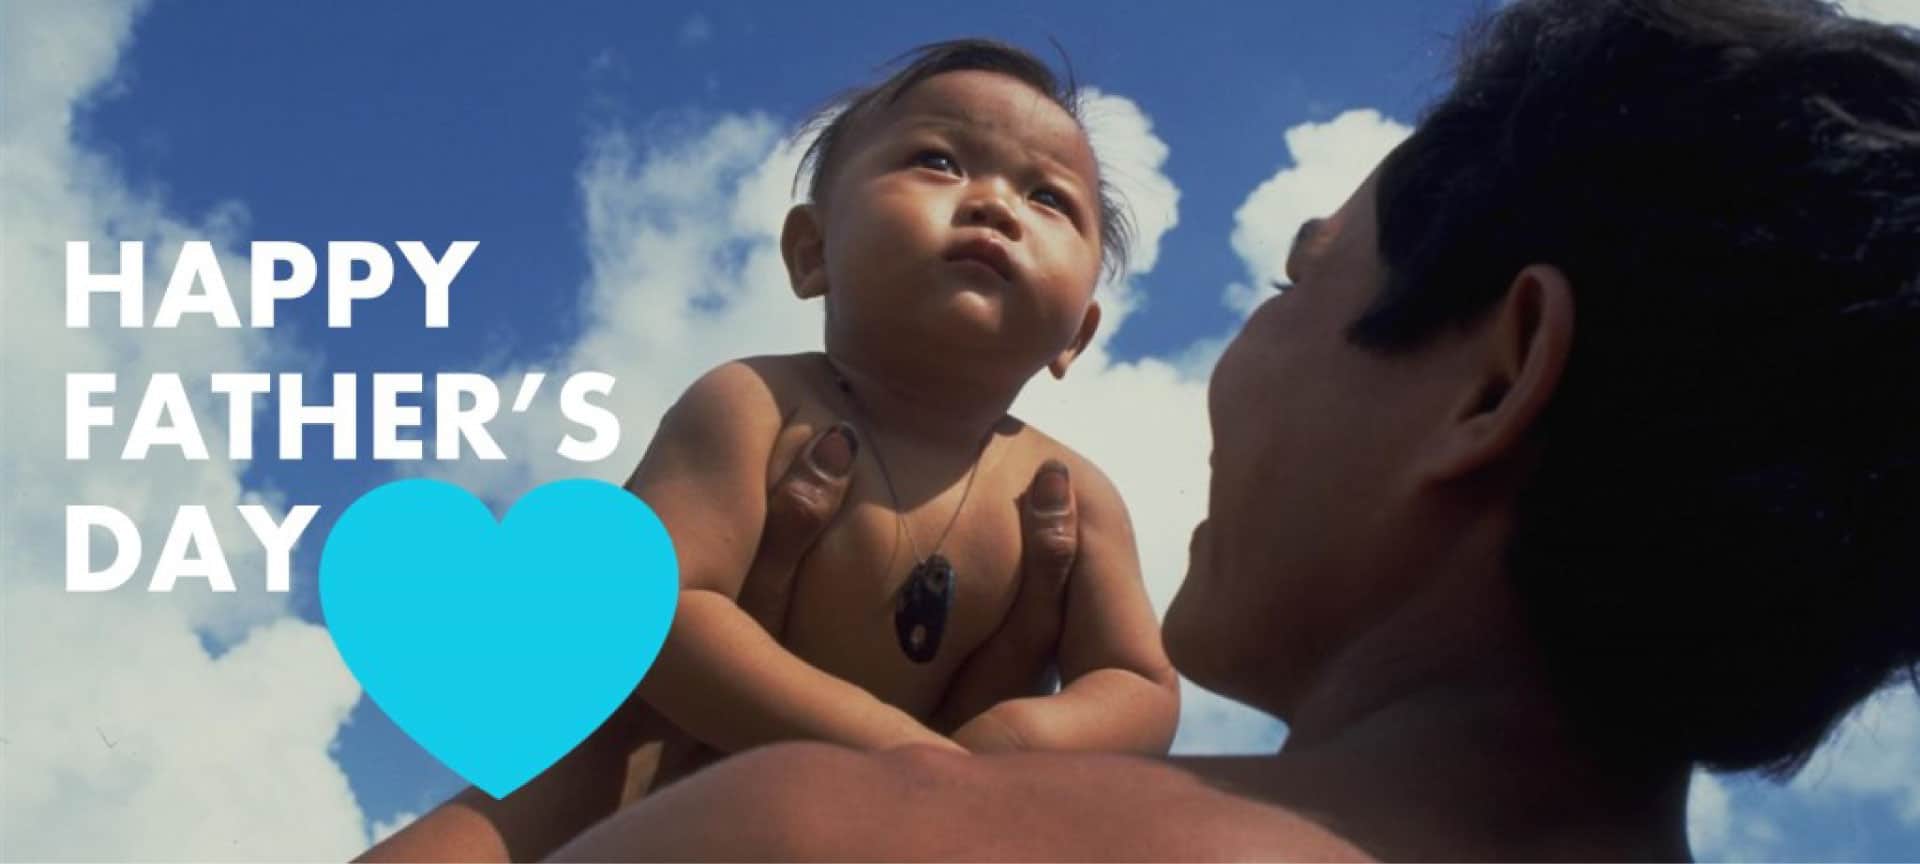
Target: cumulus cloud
(1863,777)
(1211,724)
(125,736)
(1903,12)
(1132,158)
(1707,816)
(127,742)
(1873,757)
(1327,161)
(383,829)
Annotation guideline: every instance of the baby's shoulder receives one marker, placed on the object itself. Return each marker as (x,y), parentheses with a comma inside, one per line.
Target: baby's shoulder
(1035,447)
(749,404)
(800,387)
(790,381)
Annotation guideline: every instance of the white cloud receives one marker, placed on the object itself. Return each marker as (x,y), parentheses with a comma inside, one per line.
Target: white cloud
(1327,162)
(1873,757)
(384,829)
(1133,159)
(1904,12)
(1211,724)
(124,738)
(125,741)
(1706,814)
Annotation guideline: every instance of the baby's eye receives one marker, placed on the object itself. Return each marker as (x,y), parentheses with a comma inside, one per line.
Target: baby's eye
(936,161)
(1051,200)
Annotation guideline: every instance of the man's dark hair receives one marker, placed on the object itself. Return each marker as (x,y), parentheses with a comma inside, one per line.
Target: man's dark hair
(846,116)
(1720,549)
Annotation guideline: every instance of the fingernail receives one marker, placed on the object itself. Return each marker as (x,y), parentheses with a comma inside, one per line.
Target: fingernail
(1050,489)
(833,453)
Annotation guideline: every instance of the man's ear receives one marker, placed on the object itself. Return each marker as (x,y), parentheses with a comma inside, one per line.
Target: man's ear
(803,246)
(1089,325)
(1515,368)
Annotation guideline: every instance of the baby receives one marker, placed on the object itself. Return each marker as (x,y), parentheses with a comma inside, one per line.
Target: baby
(956,229)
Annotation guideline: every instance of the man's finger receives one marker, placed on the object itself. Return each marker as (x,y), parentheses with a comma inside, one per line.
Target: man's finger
(1049,527)
(799,507)
(1017,658)
(1050,537)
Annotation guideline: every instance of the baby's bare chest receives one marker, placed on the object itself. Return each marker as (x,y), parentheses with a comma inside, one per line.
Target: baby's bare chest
(872,594)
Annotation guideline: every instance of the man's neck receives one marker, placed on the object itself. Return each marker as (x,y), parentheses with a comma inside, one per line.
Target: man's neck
(1438,737)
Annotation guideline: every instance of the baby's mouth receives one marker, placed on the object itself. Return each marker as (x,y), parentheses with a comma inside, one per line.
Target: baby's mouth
(984,252)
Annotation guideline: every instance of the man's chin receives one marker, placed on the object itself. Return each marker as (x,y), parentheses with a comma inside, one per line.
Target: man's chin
(1185,635)
(1200,634)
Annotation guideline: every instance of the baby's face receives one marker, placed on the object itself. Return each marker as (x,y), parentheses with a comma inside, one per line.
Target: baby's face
(965,220)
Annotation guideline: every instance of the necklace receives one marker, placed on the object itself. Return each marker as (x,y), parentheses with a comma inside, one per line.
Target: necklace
(924,601)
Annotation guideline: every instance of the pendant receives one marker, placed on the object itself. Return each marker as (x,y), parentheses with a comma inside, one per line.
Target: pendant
(920,611)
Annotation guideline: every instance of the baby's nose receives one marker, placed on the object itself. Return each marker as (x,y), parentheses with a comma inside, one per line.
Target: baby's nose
(991,212)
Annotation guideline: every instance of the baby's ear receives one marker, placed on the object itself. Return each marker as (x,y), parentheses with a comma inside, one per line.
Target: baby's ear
(803,245)
(1089,325)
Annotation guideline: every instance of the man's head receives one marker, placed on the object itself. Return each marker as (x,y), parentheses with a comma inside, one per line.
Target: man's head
(957,210)
(1644,290)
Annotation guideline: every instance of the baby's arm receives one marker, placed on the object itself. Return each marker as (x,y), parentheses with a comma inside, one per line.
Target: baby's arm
(720,676)
(1120,691)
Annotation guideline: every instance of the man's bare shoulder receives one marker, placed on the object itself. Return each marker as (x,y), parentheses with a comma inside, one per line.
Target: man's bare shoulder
(1144,809)
(820,801)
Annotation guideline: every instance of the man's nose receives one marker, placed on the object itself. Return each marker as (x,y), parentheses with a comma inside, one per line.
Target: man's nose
(987,207)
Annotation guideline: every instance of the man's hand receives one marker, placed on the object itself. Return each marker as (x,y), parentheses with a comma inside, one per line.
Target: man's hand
(799,507)
(1017,660)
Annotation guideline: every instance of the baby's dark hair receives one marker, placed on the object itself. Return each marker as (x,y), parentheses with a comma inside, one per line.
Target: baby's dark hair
(1720,547)
(845,116)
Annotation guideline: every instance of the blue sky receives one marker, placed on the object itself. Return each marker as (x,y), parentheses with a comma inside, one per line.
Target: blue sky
(554,135)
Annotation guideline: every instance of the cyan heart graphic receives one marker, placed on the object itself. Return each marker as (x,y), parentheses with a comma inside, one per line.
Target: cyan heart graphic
(498,646)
